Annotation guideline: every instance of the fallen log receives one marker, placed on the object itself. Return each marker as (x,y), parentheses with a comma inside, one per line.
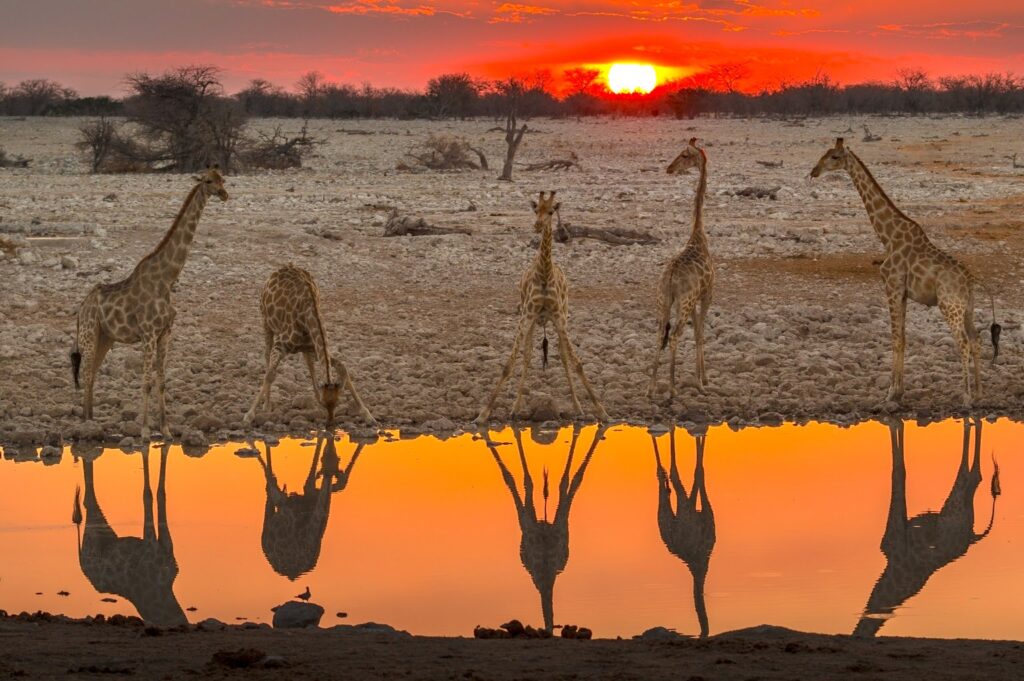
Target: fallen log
(403,225)
(759,192)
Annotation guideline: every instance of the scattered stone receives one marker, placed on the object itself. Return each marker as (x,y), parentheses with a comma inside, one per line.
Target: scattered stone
(296,614)
(659,634)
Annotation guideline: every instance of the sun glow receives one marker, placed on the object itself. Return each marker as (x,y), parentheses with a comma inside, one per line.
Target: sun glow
(632,78)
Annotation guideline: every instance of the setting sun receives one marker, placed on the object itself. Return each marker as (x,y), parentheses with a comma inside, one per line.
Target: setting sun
(632,78)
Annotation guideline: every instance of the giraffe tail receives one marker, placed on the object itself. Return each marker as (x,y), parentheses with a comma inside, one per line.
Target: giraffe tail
(995,329)
(544,349)
(76,364)
(665,335)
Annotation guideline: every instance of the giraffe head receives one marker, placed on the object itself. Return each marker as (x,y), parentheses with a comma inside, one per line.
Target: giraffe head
(544,209)
(690,157)
(330,395)
(213,182)
(833,159)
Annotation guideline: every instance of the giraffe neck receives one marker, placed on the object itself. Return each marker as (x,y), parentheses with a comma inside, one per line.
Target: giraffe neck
(320,345)
(888,221)
(544,252)
(165,263)
(698,236)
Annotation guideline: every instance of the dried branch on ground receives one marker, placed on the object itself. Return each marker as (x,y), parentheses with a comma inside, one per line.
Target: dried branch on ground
(556,164)
(565,232)
(759,192)
(443,152)
(771,164)
(16,162)
(404,225)
(869,137)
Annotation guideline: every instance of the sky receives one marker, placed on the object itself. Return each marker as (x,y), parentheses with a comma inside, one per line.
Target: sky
(90,45)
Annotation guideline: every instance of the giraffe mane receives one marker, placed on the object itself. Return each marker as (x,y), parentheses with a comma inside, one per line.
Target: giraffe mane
(871,177)
(174,225)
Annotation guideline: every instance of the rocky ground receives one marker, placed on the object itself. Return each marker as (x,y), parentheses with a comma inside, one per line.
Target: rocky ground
(798,328)
(93,650)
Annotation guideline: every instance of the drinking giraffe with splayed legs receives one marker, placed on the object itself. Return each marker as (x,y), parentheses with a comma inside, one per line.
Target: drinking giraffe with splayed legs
(543,298)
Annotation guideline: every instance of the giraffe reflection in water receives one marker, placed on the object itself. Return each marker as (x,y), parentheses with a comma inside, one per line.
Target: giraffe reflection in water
(141,570)
(688,531)
(544,549)
(294,523)
(916,548)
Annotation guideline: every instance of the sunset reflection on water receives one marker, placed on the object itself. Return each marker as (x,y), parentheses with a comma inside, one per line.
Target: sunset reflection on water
(428,535)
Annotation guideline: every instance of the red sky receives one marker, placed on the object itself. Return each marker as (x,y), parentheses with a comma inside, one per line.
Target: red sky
(90,44)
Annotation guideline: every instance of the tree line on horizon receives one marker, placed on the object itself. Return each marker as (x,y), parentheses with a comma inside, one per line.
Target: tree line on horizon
(715,92)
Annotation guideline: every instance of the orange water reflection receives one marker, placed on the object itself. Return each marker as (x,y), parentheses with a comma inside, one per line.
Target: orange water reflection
(429,535)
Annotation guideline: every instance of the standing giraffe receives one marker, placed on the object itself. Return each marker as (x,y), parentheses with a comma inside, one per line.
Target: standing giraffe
(544,548)
(916,548)
(140,570)
(543,298)
(294,524)
(139,309)
(290,306)
(916,268)
(688,533)
(686,281)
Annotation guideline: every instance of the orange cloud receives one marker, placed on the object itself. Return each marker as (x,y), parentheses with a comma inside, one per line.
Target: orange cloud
(380,6)
(515,13)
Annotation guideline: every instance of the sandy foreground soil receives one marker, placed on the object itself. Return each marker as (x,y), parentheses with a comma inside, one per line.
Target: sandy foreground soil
(798,328)
(108,651)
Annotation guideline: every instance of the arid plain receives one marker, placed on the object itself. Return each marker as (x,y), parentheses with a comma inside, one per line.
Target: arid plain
(798,328)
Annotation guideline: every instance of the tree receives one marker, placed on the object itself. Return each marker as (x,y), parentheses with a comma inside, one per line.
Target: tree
(184,118)
(453,95)
(512,91)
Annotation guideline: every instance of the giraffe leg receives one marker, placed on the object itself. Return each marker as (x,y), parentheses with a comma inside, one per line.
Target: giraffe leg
(161,368)
(563,332)
(664,314)
(898,322)
(705,303)
(697,318)
(955,318)
(563,353)
(350,386)
(311,365)
(268,380)
(148,369)
(527,352)
(481,419)
(93,354)
(684,310)
(975,345)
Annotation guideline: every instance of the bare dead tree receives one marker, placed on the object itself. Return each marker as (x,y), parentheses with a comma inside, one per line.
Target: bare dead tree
(512,89)
(97,140)
(403,225)
(869,137)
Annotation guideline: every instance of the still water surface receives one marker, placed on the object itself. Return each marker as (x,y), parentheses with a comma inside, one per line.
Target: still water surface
(879,529)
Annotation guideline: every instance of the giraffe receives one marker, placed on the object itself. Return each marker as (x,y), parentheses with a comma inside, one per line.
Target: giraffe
(141,570)
(544,548)
(543,298)
(294,524)
(687,280)
(290,307)
(916,548)
(139,309)
(917,269)
(688,533)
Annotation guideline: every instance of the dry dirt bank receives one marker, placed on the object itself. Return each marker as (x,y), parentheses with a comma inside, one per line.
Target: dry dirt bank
(31,650)
(798,328)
